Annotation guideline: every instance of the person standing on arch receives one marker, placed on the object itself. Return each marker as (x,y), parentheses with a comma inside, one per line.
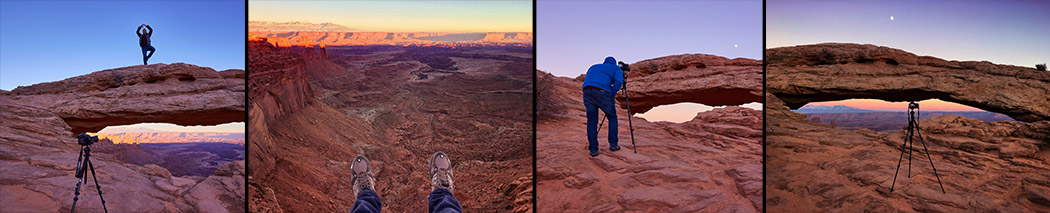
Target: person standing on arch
(144,42)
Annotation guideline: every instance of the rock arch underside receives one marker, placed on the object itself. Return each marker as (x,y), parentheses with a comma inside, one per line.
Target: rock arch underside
(985,166)
(38,149)
(712,163)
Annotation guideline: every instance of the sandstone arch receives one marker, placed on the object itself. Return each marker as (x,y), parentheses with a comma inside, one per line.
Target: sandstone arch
(178,93)
(698,78)
(827,72)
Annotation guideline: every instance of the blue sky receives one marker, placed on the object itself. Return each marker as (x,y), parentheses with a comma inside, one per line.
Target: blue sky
(573,35)
(1003,32)
(43,41)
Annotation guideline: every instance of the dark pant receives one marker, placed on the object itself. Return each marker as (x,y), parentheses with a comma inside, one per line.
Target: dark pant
(440,200)
(594,100)
(146,57)
(367,201)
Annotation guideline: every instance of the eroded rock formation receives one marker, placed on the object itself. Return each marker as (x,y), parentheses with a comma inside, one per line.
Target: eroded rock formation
(712,163)
(699,78)
(179,93)
(38,152)
(826,72)
(1000,166)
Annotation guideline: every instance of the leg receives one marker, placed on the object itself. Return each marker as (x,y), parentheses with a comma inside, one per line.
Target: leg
(146,57)
(368,202)
(442,200)
(592,120)
(608,106)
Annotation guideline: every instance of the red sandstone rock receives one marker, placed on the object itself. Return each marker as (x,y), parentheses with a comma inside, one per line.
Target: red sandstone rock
(698,78)
(825,72)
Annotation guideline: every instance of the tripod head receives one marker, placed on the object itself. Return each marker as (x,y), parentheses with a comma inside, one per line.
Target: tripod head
(913,105)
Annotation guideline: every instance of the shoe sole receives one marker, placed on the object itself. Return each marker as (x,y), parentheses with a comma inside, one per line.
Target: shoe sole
(433,157)
(368,165)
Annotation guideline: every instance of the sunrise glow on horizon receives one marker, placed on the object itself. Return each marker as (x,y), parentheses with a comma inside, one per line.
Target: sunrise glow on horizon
(402,16)
(880,105)
(683,112)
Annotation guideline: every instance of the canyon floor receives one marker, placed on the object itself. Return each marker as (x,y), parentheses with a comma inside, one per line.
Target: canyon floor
(313,110)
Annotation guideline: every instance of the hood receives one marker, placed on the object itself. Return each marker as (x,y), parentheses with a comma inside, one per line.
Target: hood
(610,60)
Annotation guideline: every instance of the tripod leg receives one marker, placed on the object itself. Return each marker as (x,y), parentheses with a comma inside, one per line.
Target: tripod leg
(911,143)
(600,123)
(627,99)
(931,159)
(903,146)
(76,193)
(97,187)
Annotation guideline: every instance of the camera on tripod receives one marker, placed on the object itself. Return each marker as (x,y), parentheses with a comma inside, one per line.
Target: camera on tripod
(624,67)
(913,105)
(86,140)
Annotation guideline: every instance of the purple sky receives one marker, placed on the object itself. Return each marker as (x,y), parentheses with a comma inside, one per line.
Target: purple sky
(1003,32)
(573,35)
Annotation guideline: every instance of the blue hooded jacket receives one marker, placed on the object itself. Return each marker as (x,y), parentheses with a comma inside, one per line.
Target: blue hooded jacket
(606,76)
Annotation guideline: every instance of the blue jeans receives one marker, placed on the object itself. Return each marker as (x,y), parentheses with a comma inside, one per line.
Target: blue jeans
(367,201)
(146,57)
(594,100)
(440,200)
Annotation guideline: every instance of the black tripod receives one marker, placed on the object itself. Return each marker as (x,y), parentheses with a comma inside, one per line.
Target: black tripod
(627,98)
(83,164)
(913,128)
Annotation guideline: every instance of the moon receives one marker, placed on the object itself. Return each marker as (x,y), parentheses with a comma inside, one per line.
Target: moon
(734,45)
(891,18)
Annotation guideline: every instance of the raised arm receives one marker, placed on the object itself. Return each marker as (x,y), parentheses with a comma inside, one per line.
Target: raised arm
(139,31)
(150,30)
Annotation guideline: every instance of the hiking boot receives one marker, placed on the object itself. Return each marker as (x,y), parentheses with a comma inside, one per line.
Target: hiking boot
(440,171)
(614,148)
(361,175)
(594,154)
